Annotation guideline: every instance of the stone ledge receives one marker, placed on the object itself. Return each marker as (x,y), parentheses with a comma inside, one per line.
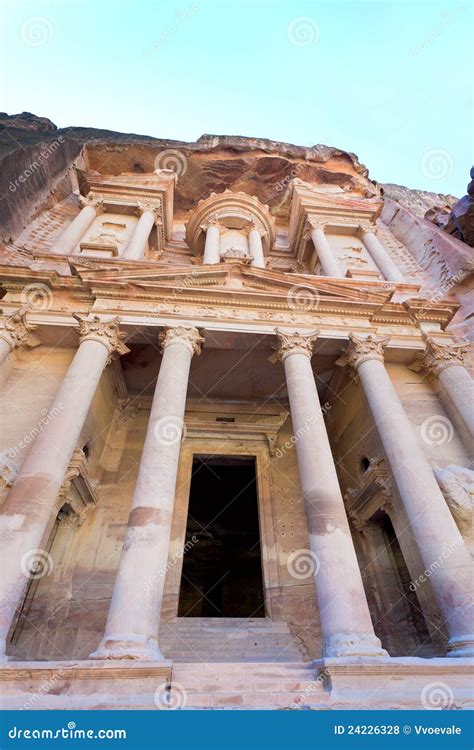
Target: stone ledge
(86,669)
(403,665)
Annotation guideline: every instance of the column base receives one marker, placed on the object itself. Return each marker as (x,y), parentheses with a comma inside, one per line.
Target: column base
(129,647)
(461,647)
(349,644)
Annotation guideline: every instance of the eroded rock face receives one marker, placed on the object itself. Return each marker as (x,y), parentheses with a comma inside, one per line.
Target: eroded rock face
(36,159)
(211,164)
(420,202)
(26,121)
(460,222)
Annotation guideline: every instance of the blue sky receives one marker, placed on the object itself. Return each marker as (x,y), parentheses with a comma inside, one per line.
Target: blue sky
(390,81)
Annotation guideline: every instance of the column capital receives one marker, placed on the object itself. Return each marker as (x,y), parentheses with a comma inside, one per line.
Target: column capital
(367,228)
(154,209)
(189,337)
(16,330)
(294,343)
(361,349)
(211,221)
(96,203)
(106,332)
(437,357)
(312,223)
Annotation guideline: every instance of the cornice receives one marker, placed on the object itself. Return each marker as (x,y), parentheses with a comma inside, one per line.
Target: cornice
(228,286)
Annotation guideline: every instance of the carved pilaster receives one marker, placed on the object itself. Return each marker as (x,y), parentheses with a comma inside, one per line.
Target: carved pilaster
(106,332)
(437,357)
(190,337)
(16,330)
(294,343)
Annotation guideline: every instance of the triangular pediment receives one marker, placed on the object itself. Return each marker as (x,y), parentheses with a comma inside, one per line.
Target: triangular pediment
(236,278)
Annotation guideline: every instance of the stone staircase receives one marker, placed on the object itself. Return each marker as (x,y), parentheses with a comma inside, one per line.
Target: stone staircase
(248,686)
(224,639)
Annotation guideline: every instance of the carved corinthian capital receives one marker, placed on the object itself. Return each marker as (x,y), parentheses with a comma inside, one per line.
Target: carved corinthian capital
(361,349)
(105,331)
(189,337)
(294,343)
(438,357)
(16,330)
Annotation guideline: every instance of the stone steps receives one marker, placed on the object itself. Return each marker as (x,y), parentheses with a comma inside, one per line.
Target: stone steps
(200,639)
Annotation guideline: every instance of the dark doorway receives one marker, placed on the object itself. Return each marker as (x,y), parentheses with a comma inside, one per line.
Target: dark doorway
(222,570)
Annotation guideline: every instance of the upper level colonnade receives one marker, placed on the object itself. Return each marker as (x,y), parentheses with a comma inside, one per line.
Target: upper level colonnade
(131,218)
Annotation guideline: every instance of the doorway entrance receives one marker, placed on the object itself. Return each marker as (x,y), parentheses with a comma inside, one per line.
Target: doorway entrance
(222,567)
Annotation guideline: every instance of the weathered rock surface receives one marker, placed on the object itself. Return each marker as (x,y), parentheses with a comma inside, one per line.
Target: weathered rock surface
(460,222)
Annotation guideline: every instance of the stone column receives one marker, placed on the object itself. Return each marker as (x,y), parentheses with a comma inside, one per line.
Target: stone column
(133,621)
(446,362)
(28,509)
(16,331)
(256,248)
(345,619)
(432,526)
(77,228)
(211,248)
(379,254)
(137,243)
(329,264)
